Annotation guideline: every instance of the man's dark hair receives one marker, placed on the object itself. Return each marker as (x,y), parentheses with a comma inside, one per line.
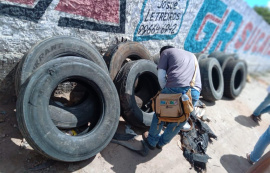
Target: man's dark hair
(164,48)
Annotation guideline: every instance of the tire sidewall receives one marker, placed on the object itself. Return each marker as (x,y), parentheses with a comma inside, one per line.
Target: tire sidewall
(40,129)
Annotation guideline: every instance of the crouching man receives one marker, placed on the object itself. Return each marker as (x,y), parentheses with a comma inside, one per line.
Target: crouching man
(176,70)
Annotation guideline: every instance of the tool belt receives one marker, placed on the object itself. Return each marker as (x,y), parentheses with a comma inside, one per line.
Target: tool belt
(171,108)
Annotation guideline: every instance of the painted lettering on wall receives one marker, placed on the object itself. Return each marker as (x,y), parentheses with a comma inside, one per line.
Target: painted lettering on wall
(112,13)
(253,40)
(160,19)
(210,20)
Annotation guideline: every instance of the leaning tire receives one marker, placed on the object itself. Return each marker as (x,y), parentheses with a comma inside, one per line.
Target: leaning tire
(35,122)
(234,74)
(117,55)
(136,84)
(53,48)
(201,56)
(212,79)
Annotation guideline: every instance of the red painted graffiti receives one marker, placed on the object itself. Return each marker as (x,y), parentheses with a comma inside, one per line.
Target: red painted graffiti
(264,44)
(102,10)
(27,2)
(256,45)
(251,39)
(210,17)
(248,28)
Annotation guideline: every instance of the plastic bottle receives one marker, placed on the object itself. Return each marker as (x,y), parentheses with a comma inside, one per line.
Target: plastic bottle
(184,97)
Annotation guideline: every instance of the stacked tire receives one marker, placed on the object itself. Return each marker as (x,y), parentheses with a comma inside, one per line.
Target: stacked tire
(135,76)
(44,120)
(222,75)
(212,79)
(82,121)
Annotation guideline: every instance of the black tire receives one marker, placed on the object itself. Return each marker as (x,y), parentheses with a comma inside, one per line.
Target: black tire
(135,95)
(200,56)
(222,58)
(118,54)
(34,118)
(236,56)
(216,54)
(212,79)
(53,48)
(71,117)
(235,74)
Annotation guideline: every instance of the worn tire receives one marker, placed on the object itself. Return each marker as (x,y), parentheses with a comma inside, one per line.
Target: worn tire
(235,74)
(34,118)
(201,56)
(53,48)
(118,54)
(212,79)
(216,54)
(134,95)
(222,58)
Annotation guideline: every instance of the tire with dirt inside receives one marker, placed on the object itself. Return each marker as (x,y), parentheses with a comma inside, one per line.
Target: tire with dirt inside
(118,54)
(136,84)
(35,122)
(212,79)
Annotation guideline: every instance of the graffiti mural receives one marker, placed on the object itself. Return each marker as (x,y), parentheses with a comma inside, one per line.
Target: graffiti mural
(160,19)
(253,40)
(112,13)
(25,13)
(209,25)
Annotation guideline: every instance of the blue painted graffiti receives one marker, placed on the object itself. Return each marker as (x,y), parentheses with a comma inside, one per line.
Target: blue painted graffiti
(224,36)
(151,27)
(208,20)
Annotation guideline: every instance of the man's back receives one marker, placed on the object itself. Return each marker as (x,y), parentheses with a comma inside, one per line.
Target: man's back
(179,65)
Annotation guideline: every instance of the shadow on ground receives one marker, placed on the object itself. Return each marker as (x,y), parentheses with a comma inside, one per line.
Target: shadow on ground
(20,155)
(234,163)
(245,121)
(123,159)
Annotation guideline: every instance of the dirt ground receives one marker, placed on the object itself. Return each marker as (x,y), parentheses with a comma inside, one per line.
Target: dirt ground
(230,121)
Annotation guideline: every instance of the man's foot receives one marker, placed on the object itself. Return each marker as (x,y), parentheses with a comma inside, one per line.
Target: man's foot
(159,147)
(248,159)
(144,136)
(255,118)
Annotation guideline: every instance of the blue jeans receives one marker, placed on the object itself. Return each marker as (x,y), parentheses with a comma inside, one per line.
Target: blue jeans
(172,129)
(264,107)
(260,146)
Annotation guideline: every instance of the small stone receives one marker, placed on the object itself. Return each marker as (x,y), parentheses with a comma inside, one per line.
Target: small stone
(24,144)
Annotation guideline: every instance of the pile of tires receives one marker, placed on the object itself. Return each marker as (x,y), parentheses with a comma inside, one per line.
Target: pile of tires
(222,75)
(78,123)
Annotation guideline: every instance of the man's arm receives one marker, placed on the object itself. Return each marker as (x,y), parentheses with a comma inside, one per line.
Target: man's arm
(162,78)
